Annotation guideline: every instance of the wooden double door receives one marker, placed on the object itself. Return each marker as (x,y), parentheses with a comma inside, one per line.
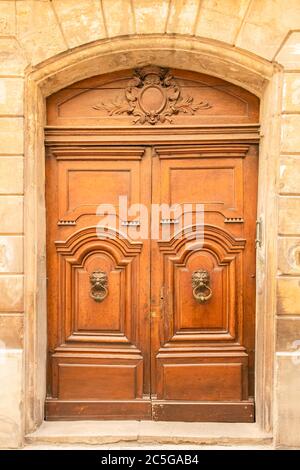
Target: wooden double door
(142,326)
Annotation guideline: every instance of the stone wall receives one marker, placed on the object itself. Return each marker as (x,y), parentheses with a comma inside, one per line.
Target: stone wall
(34,34)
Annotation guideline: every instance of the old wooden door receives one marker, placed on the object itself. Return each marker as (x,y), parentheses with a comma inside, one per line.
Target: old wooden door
(158,326)
(203,284)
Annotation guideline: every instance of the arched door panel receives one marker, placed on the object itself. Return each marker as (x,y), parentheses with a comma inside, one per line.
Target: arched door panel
(157,327)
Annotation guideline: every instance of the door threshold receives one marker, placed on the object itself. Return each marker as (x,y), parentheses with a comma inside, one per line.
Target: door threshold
(151,432)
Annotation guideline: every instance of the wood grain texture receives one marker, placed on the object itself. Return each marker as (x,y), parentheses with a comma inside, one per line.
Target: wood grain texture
(149,350)
(106,100)
(97,350)
(208,381)
(239,412)
(119,410)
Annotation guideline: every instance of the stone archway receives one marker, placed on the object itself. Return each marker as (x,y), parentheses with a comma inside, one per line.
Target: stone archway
(252,73)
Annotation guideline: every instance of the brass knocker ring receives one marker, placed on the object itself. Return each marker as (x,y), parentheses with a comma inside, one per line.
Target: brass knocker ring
(202,291)
(99,290)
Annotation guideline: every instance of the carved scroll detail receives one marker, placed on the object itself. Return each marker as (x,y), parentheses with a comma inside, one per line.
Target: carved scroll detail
(152,96)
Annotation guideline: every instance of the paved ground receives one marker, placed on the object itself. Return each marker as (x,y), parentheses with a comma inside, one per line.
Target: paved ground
(143,447)
(146,435)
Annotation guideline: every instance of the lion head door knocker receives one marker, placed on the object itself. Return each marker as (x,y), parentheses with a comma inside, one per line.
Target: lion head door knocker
(99,281)
(201,286)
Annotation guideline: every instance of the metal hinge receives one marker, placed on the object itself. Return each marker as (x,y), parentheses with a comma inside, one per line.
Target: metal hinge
(258,239)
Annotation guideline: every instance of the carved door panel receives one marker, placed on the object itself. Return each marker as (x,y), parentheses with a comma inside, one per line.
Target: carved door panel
(98,286)
(203,284)
(200,312)
(157,327)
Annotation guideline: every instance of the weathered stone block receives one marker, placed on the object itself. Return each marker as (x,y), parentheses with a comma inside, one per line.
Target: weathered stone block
(289,255)
(11,331)
(7,18)
(11,96)
(12,58)
(11,136)
(291,92)
(266,26)
(289,176)
(11,254)
(221,20)
(11,379)
(289,54)
(115,12)
(81,21)
(288,403)
(11,214)
(288,334)
(11,175)
(38,30)
(11,288)
(290,141)
(183,16)
(289,215)
(288,296)
(150,17)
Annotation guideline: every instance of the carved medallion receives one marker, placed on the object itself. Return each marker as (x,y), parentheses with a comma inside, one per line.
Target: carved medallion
(152,96)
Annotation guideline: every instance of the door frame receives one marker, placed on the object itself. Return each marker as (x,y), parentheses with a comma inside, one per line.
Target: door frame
(258,76)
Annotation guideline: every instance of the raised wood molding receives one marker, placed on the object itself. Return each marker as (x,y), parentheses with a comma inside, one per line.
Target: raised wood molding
(229,412)
(96,153)
(227,251)
(87,136)
(203,150)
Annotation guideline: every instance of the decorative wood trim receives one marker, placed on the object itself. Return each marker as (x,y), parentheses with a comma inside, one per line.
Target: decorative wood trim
(72,254)
(228,252)
(88,136)
(202,151)
(97,153)
(66,222)
(87,235)
(64,351)
(152,96)
(229,412)
(126,409)
(234,220)
(224,242)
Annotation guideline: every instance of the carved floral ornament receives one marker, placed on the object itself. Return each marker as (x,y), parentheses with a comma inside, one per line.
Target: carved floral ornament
(152,96)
